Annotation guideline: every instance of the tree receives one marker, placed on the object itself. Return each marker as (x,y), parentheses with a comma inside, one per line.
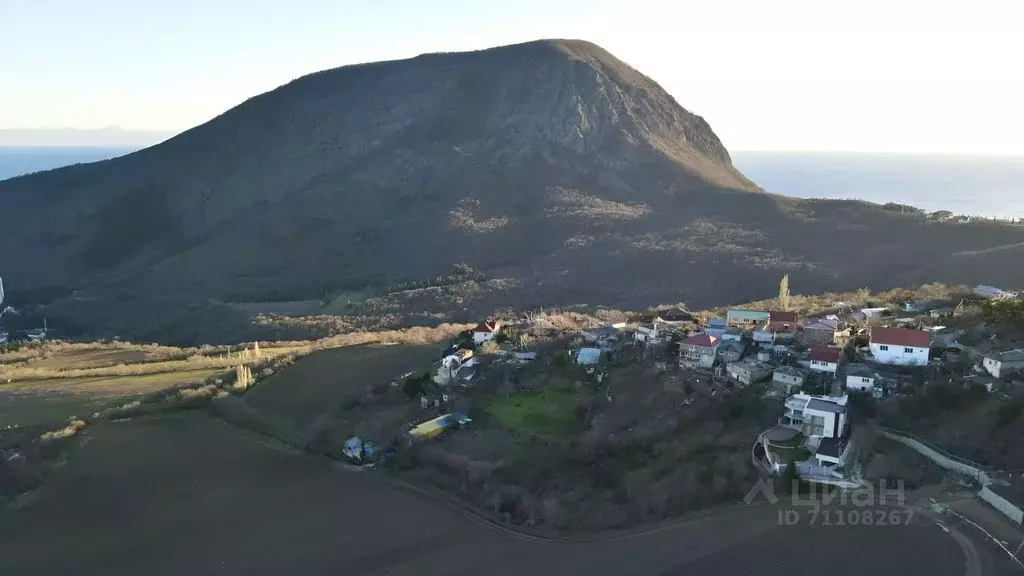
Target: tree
(784,293)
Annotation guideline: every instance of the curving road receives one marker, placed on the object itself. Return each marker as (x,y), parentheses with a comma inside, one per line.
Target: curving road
(189,494)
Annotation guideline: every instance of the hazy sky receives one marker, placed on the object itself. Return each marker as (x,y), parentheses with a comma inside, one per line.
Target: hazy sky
(894,75)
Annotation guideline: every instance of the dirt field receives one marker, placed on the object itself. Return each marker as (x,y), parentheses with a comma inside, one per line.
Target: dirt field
(305,389)
(44,401)
(76,359)
(189,494)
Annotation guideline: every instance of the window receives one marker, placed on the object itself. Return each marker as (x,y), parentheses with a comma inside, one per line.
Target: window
(908,350)
(864,380)
(883,348)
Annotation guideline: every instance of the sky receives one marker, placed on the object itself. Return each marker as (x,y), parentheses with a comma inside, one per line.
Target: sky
(867,75)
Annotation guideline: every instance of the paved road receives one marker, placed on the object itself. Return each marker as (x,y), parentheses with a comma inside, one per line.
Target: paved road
(188,494)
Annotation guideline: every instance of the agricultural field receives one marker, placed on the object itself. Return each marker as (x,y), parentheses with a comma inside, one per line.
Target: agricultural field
(310,386)
(189,494)
(33,402)
(47,383)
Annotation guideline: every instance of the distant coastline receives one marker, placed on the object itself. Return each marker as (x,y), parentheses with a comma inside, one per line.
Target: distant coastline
(988,186)
(21,160)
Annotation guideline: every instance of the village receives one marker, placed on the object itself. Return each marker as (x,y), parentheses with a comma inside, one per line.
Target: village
(652,395)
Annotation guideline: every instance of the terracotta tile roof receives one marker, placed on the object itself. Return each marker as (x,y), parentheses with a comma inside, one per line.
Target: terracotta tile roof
(703,340)
(826,354)
(488,326)
(901,337)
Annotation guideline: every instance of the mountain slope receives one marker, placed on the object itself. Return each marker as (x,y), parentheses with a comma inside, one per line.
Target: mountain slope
(550,164)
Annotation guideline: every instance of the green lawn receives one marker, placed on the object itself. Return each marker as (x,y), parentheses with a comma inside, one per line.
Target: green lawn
(544,413)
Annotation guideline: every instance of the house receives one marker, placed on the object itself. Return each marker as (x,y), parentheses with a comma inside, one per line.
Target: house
(458,358)
(1001,364)
(860,378)
(918,306)
(831,451)
(789,379)
(588,356)
(987,382)
(746,319)
(733,335)
(748,371)
(486,331)
(826,358)
(764,336)
(730,351)
(818,417)
(675,316)
(900,346)
(652,332)
(992,293)
(699,350)
(783,321)
(824,331)
(605,335)
(873,312)
(941,312)
(716,327)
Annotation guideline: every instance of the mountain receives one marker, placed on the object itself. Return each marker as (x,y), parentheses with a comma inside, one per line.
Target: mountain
(557,171)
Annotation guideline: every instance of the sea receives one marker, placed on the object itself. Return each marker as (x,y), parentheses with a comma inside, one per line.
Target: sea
(15,161)
(989,186)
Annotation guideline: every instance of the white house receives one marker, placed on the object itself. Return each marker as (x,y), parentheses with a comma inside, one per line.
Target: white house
(652,332)
(999,364)
(860,378)
(486,331)
(899,346)
(826,358)
(816,416)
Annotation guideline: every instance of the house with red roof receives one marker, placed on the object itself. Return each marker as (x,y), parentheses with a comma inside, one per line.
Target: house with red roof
(826,358)
(900,346)
(485,331)
(698,350)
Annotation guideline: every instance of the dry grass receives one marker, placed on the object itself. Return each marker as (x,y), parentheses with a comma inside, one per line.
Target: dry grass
(73,427)
(64,364)
(809,305)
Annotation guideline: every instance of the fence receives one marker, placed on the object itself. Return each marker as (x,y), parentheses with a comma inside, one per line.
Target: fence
(940,456)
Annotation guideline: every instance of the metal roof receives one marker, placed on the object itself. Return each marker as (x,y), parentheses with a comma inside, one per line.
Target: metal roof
(823,406)
(901,337)
(826,354)
(588,356)
(703,340)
